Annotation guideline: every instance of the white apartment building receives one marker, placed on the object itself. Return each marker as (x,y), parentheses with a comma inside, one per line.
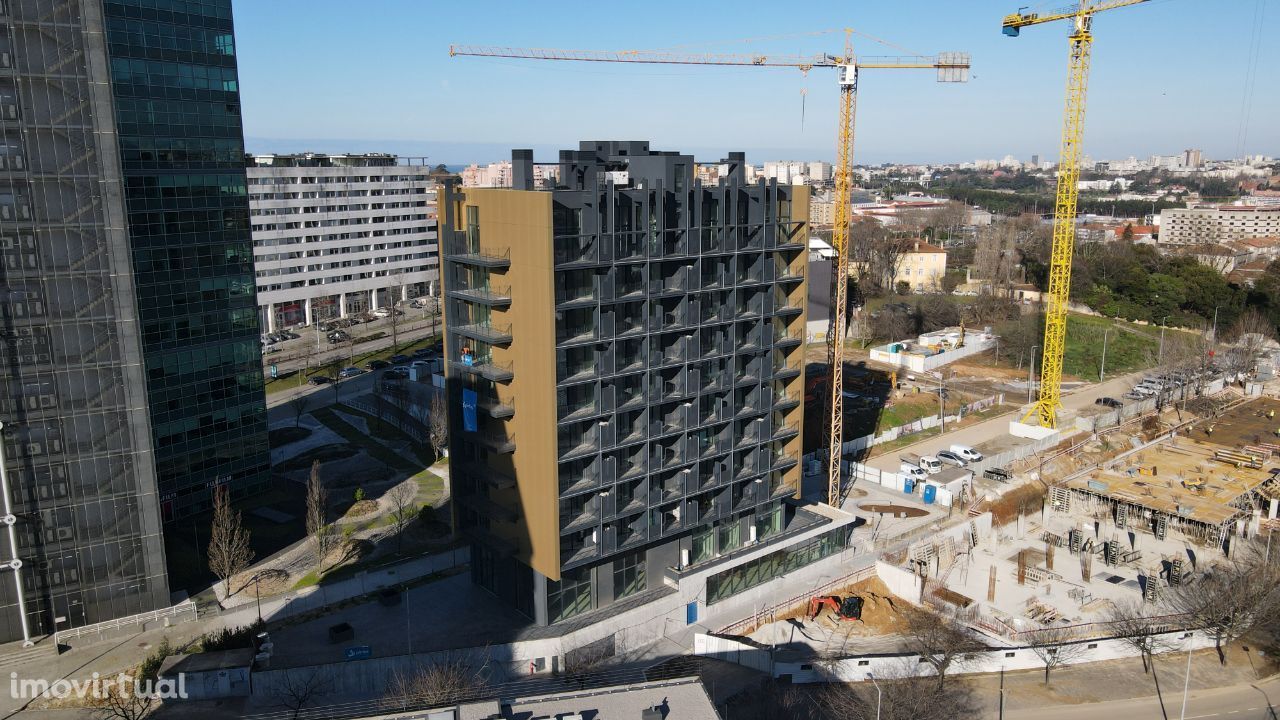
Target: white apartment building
(335,235)
(499,174)
(1201,224)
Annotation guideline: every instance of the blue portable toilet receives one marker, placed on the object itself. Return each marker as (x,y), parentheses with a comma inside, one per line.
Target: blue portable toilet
(908,485)
(930,492)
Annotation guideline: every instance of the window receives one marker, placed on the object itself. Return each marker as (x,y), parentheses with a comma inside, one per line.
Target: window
(703,545)
(570,596)
(729,536)
(628,575)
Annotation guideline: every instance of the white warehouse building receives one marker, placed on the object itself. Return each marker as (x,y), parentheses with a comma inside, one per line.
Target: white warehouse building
(336,235)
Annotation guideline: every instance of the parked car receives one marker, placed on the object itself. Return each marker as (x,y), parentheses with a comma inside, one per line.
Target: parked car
(319,380)
(424,354)
(272,349)
(997,474)
(1133,396)
(1109,402)
(376,365)
(381,312)
(350,373)
(966,452)
(913,472)
(951,458)
(400,359)
(395,374)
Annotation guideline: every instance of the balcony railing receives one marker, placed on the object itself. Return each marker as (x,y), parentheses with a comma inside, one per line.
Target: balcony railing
(493,296)
(494,478)
(785,432)
(486,369)
(496,407)
(501,444)
(486,332)
(479,256)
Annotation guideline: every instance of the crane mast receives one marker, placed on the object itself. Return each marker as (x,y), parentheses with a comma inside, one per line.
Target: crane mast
(1067,195)
(833,429)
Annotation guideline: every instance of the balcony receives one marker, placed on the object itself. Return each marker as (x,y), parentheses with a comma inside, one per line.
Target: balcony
(576,250)
(782,370)
(494,478)
(485,332)
(786,432)
(501,444)
(490,509)
(496,407)
(491,296)
(578,552)
(579,411)
(785,401)
(581,521)
(486,537)
(478,256)
(788,340)
(486,369)
(782,461)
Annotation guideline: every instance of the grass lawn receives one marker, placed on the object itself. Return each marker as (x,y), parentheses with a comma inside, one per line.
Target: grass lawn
(1129,347)
(298,378)
(353,435)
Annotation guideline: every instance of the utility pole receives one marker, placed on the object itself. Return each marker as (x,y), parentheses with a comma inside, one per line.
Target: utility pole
(1215,324)
(1102,368)
(942,404)
(1031,373)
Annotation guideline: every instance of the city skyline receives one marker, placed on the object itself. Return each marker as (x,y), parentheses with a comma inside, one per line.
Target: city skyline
(1011,106)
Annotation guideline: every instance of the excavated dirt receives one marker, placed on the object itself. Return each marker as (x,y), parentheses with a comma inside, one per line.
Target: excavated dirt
(881,611)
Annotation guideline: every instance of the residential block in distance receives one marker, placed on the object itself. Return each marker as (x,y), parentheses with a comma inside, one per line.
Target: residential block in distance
(335,235)
(625,376)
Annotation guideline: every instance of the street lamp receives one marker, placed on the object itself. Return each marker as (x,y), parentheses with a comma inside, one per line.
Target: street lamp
(1160,354)
(872,678)
(1186,682)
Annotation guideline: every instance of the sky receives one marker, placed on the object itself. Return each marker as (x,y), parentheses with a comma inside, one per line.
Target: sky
(375,75)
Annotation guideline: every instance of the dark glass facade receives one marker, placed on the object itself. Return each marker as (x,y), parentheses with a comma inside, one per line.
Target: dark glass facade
(177,102)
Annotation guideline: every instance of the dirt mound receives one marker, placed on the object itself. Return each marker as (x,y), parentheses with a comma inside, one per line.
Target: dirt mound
(881,610)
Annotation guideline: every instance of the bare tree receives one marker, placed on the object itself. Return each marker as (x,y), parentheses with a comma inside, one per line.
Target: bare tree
(229,550)
(121,703)
(397,291)
(403,509)
(900,697)
(318,526)
(1227,599)
(298,688)
(438,428)
(1055,647)
(1249,338)
(940,639)
(1131,625)
(453,678)
(996,257)
(299,406)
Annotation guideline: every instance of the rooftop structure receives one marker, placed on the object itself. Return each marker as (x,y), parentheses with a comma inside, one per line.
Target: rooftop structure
(935,349)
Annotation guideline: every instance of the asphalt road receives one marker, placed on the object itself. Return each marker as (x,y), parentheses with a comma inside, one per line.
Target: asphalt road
(1236,702)
(973,434)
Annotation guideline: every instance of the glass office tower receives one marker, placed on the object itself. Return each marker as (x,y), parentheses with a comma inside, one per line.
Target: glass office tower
(130,378)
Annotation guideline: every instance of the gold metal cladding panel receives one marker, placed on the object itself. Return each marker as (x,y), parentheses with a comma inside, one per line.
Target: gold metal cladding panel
(519,222)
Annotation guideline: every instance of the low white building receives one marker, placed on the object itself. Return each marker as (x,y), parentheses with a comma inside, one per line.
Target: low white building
(335,235)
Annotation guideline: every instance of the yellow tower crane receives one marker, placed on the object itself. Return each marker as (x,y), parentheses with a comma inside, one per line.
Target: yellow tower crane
(951,67)
(1064,208)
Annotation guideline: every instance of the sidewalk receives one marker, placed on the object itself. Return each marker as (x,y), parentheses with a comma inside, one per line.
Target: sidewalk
(1122,679)
(332,593)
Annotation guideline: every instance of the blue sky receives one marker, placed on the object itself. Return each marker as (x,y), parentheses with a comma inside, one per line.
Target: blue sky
(334,76)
